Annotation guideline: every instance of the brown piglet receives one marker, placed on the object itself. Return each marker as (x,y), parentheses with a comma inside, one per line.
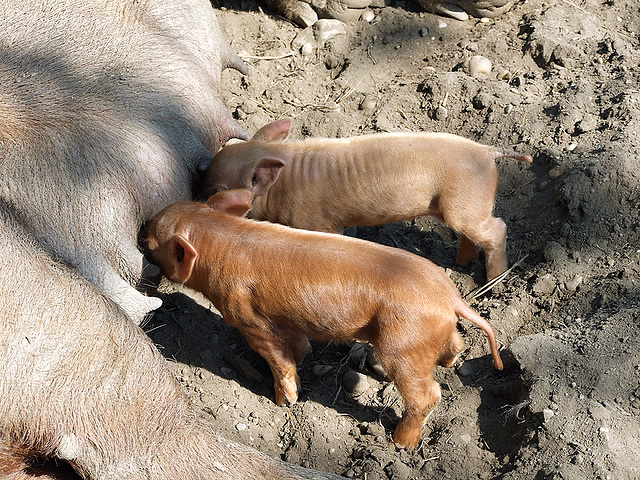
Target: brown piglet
(326,184)
(278,285)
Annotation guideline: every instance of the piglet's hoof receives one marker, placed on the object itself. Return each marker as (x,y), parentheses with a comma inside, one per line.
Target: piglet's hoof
(476,8)
(343,10)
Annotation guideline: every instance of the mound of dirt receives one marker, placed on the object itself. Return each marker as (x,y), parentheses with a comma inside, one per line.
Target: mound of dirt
(564,87)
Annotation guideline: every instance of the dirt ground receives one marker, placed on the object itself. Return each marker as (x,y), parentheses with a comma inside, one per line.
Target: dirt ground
(565,88)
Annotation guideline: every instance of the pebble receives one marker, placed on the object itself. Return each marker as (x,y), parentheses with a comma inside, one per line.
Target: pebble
(441,113)
(504,75)
(479,66)
(466,370)
(547,414)
(424,31)
(368,16)
(325,29)
(367,104)
(355,383)
(240,427)
(573,284)
(465,438)
(306,50)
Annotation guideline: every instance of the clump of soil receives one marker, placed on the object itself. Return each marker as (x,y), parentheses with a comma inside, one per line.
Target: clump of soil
(564,87)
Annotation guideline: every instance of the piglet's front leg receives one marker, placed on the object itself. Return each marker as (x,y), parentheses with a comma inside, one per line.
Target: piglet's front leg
(281,357)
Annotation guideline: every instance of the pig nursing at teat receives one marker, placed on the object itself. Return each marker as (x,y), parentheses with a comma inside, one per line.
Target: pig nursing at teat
(277,285)
(326,184)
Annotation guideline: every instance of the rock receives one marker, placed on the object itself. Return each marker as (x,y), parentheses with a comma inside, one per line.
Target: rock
(465,370)
(325,29)
(367,104)
(368,16)
(304,37)
(441,113)
(479,66)
(355,383)
(451,10)
(397,470)
(547,414)
(482,100)
(240,427)
(573,284)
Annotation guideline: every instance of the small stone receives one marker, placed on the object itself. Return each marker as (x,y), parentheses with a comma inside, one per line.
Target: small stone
(367,104)
(573,284)
(441,113)
(504,75)
(479,66)
(547,414)
(355,383)
(304,37)
(555,172)
(465,370)
(306,50)
(368,16)
(465,438)
(450,10)
(325,29)
(240,427)
(424,31)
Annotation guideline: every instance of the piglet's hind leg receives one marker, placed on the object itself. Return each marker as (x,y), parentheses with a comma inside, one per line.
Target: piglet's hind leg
(411,374)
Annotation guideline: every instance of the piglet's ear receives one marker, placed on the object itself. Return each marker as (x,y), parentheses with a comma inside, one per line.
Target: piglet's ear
(183,258)
(265,174)
(274,132)
(234,202)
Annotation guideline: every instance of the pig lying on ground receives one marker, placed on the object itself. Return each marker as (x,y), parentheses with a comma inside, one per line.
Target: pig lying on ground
(327,184)
(81,384)
(278,285)
(108,110)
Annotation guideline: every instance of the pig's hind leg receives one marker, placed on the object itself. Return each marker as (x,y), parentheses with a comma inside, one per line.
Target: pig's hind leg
(451,350)
(491,235)
(411,372)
